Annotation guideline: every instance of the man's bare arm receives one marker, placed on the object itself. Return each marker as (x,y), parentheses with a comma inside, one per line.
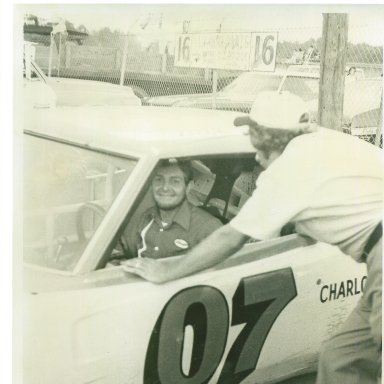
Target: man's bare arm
(215,248)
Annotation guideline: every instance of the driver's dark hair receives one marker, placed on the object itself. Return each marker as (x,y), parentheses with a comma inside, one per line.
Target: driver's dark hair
(184,165)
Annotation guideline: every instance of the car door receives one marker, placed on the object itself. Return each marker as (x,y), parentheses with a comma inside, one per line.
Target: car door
(259,316)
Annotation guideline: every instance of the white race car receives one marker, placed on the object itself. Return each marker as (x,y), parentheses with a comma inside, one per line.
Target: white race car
(43,91)
(258,317)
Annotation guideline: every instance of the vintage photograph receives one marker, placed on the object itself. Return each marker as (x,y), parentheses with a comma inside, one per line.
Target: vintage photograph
(200,193)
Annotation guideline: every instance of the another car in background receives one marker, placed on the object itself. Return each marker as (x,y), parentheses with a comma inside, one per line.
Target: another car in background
(74,92)
(362,98)
(362,95)
(236,96)
(260,316)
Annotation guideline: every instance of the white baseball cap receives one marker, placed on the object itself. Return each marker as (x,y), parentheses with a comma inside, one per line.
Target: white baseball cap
(280,110)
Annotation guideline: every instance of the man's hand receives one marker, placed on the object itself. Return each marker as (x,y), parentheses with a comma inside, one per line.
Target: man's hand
(215,248)
(149,269)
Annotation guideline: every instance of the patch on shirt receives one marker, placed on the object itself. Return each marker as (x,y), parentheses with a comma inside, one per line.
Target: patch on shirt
(181,243)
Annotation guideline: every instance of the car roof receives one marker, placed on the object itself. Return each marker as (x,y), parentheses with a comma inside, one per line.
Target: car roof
(277,72)
(312,71)
(137,131)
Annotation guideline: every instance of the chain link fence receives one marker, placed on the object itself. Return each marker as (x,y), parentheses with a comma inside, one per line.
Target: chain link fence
(145,62)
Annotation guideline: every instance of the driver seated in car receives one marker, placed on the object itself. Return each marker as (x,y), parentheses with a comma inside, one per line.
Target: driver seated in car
(173,225)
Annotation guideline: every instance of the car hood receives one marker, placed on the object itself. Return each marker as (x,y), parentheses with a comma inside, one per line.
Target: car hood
(201,100)
(74,92)
(38,280)
(38,94)
(220,98)
(171,100)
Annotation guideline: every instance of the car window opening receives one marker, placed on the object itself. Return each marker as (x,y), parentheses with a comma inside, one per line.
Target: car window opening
(220,186)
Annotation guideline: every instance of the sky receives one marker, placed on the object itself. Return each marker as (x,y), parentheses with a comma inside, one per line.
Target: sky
(294,22)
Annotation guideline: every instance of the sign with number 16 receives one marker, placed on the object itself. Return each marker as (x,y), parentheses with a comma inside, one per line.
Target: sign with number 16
(263,51)
(244,51)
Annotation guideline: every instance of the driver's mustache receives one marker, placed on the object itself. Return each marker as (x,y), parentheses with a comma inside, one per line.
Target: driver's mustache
(165,194)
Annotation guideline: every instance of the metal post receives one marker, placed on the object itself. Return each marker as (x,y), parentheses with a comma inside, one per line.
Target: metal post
(164,63)
(27,60)
(207,74)
(50,55)
(379,130)
(67,55)
(124,61)
(59,57)
(214,88)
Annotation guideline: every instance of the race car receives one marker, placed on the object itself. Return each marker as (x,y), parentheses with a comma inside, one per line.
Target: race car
(46,91)
(258,317)
(362,95)
(236,96)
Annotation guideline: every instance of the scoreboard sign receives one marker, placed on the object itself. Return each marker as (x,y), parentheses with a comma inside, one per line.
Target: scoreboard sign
(254,51)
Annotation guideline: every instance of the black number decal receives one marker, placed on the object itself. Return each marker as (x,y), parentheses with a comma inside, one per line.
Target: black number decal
(257,302)
(203,308)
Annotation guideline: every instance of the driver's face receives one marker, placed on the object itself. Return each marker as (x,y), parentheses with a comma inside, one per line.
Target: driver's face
(169,187)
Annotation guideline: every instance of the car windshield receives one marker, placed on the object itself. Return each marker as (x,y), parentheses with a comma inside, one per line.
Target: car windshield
(305,87)
(253,83)
(67,191)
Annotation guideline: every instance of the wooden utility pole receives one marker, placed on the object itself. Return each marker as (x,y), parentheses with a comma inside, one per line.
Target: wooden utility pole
(332,70)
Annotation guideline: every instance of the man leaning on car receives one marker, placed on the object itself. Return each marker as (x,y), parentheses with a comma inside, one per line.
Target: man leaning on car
(330,185)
